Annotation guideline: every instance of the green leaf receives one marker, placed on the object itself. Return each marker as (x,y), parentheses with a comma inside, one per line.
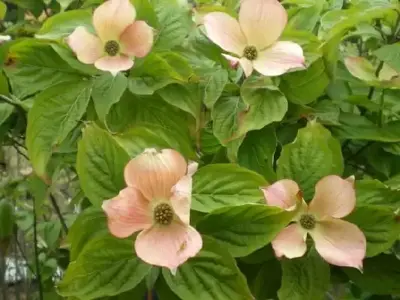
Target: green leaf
(313,155)
(94,221)
(146,86)
(304,278)
(100,165)
(205,51)
(175,24)
(327,112)
(70,58)
(306,86)
(381,161)
(262,104)
(346,21)
(208,142)
(40,191)
(155,114)
(4,88)
(225,116)
(257,152)
(374,192)
(265,104)
(245,228)
(64,3)
(137,139)
(5,111)
(37,68)
(219,185)
(357,127)
(7,220)
(50,233)
(163,290)
(145,11)
(36,6)
(211,275)
(267,280)
(390,54)
(305,17)
(380,226)
(380,276)
(139,292)
(107,90)
(107,266)
(310,44)
(213,86)
(63,24)
(3,10)
(55,112)
(393,148)
(158,70)
(394,182)
(186,98)
(363,69)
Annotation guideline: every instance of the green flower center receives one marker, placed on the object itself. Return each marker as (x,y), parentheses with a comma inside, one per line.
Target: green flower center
(112,48)
(308,221)
(163,214)
(250,52)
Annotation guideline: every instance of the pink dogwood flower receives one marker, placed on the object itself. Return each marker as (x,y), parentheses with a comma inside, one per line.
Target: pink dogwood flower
(339,242)
(156,202)
(253,39)
(119,38)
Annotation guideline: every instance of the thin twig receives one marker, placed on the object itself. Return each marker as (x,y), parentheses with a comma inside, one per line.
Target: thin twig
(16,141)
(24,257)
(58,212)
(36,251)
(372,89)
(359,151)
(149,295)
(20,152)
(8,100)
(381,106)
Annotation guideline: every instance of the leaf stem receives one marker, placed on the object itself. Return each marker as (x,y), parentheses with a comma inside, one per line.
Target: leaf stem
(372,89)
(58,212)
(17,104)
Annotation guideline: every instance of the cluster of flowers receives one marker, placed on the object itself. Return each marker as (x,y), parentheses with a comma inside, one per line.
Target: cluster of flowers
(157,202)
(251,41)
(157,198)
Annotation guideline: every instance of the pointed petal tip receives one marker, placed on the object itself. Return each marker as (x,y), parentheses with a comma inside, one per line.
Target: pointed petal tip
(150,150)
(361,268)
(282,193)
(105,204)
(340,243)
(351,179)
(192,168)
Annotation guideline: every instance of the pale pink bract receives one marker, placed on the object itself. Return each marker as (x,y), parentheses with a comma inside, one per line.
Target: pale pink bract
(253,40)
(119,38)
(156,202)
(339,242)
